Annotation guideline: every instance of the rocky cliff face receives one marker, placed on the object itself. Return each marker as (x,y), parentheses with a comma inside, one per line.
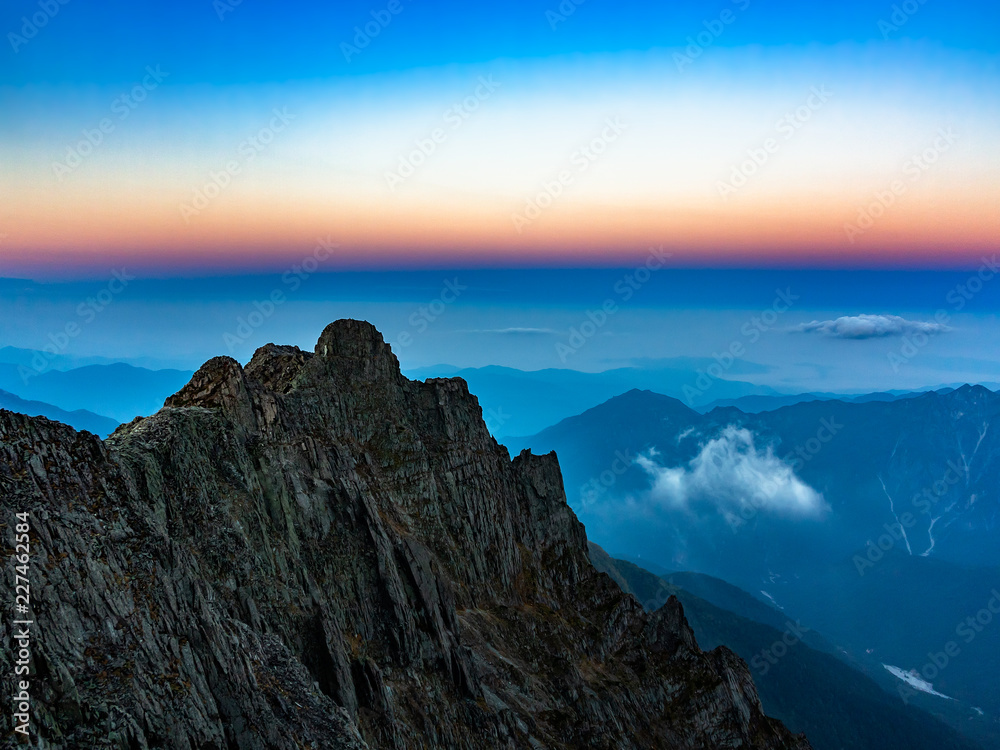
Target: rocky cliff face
(315,552)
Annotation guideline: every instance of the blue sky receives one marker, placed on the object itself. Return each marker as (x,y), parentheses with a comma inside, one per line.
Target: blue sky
(698,89)
(256,42)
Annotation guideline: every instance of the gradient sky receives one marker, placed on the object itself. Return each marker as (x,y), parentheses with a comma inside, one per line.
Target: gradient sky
(751,135)
(836,101)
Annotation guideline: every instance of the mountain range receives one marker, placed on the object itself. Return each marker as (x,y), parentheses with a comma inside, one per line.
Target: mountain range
(119,391)
(519,402)
(756,404)
(38,361)
(873,522)
(80,419)
(867,553)
(314,551)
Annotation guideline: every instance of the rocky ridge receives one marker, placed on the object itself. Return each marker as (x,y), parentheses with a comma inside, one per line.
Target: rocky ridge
(315,552)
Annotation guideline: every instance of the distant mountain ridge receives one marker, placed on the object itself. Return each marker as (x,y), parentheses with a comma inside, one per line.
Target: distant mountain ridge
(757,404)
(518,402)
(79,420)
(38,361)
(963,424)
(900,545)
(119,391)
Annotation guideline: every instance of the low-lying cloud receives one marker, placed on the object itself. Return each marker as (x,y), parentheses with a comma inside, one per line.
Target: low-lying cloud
(514,331)
(732,474)
(870,327)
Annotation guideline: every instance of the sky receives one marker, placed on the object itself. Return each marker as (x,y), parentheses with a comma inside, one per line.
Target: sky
(183,163)
(207,137)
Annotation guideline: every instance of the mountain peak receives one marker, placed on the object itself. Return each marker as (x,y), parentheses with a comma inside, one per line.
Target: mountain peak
(351,338)
(357,349)
(975,390)
(637,402)
(216,380)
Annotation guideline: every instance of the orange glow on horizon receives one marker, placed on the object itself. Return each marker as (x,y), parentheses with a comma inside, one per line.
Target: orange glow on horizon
(143,232)
(656,182)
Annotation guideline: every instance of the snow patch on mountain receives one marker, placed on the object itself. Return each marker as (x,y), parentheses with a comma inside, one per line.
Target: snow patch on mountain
(914,680)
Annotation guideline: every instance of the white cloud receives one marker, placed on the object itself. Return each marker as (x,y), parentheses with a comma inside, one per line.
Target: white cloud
(512,331)
(733,475)
(870,326)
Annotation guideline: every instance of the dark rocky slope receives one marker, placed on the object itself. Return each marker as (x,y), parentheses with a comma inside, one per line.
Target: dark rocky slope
(314,552)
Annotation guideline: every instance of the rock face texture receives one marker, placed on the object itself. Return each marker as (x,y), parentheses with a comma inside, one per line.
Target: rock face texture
(315,552)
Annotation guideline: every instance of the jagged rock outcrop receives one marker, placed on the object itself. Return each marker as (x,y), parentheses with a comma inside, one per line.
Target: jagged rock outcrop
(315,552)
